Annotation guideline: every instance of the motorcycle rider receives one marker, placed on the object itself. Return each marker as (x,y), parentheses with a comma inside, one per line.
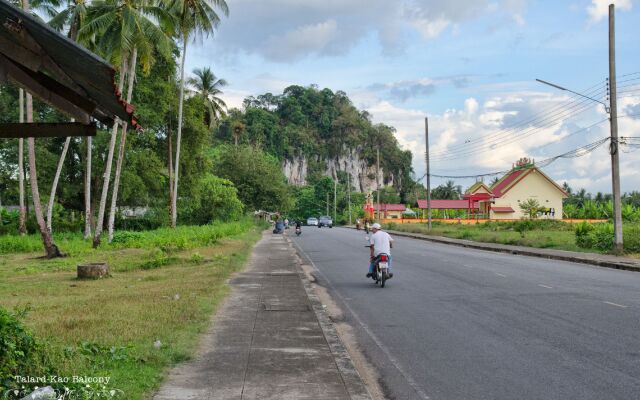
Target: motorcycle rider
(381,242)
(298,225)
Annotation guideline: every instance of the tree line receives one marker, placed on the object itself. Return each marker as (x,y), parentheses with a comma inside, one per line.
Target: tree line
(222,163)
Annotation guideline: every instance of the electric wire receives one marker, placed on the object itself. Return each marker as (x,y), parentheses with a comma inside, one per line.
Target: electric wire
(575,153)
(593,91)
(585,105)
(562,112)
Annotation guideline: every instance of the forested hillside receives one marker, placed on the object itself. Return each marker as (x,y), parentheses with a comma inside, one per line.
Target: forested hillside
(317,133)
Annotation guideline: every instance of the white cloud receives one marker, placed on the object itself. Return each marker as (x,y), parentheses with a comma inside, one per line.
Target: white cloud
(599,9)
(294,44)
(290,30)
(478,125)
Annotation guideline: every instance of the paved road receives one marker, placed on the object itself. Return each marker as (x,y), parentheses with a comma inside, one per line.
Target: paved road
(466,324)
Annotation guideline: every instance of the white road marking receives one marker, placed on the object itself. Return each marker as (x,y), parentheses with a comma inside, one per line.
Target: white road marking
(467,265)
(614,304)
(545,286)
(504,276)
(414,385)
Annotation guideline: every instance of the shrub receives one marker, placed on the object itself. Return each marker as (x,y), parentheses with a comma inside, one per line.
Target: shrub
(126,238)
(523,226)
(603,237)
(584,238)
(632,238)
(19,351)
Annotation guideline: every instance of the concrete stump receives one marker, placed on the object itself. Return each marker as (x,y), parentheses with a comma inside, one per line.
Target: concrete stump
(93,270)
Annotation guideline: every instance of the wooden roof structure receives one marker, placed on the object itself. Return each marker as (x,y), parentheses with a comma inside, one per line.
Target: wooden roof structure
(59,72)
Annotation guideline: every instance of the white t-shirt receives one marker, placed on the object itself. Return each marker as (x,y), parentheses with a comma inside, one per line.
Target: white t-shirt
(381,242)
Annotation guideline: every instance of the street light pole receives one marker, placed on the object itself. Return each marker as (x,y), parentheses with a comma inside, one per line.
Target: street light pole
(615,159)
(327,204)
(378,182)
(426,139)
(349,198)
(335,200)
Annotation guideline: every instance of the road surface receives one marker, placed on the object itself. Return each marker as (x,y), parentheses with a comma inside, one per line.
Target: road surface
(457,323)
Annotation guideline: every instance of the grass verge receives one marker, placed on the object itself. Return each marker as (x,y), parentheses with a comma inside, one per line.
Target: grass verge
(132,326)
(536,233)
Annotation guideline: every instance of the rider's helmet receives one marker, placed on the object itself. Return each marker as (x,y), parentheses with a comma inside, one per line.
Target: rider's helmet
(376,226)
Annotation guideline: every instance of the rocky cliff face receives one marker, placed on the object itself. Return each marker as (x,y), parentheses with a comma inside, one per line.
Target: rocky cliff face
(363,176)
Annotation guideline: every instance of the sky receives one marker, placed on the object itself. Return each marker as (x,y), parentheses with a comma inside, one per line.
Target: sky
(469,66)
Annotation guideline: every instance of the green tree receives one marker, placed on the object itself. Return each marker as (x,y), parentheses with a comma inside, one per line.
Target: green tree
(193,18)
(124,33)
(448,191)
(207,86)
(214,199)
(530,207)
(258,177)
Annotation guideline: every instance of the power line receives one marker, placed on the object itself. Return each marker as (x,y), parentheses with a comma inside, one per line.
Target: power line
(585,105)
(557,113)
(542,115)
(575,153)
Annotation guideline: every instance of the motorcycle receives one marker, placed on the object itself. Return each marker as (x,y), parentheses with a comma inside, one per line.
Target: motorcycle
(380,269)
(298,231)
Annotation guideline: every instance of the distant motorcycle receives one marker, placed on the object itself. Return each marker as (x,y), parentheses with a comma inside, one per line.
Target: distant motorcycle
(298,231)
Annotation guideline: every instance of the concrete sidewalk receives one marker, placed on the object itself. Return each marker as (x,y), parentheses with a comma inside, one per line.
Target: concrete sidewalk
(270,340)
(601,260)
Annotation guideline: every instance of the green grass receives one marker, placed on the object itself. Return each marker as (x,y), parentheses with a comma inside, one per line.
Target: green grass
(540,234)
(160,289)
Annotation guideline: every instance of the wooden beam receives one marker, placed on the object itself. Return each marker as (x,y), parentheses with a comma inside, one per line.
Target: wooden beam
(45,93)
(40,130)
(20,54)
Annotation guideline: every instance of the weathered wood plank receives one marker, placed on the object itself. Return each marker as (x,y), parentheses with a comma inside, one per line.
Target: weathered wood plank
(46,92)
(40,130)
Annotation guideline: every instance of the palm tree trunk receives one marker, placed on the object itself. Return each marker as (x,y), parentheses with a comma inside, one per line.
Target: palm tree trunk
(87,190)
(22,227)
(170,171)
(107,173)
(174,208)
(52,197)
(50,248)
(123,141)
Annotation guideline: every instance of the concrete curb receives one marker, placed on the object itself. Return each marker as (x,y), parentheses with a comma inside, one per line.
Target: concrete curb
(350,376)
(599,260)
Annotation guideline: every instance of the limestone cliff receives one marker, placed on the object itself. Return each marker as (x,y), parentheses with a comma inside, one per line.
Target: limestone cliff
(363,175)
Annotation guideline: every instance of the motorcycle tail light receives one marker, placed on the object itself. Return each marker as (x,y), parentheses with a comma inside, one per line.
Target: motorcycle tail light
(384,258)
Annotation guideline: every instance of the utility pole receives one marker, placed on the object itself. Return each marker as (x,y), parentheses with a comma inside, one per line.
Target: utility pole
(335,200)
(378,182)
(327,204)
(615,156)
(426,140)
(349,198)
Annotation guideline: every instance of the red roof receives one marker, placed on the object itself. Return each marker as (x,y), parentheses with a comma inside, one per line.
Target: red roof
(502,209)
(446,204)
(390,207)
(507,180)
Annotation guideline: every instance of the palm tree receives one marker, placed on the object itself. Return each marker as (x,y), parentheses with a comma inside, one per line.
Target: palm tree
(54,186)
(122,31)
(50,248)
(207,87)
(22,227)
(47,7)
(194,18)
(448,191)
(74,16)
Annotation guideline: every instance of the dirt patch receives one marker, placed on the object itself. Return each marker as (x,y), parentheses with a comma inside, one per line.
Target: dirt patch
(367,372)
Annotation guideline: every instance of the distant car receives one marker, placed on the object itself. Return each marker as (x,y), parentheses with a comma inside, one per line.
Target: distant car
(312,221)
(325,220)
